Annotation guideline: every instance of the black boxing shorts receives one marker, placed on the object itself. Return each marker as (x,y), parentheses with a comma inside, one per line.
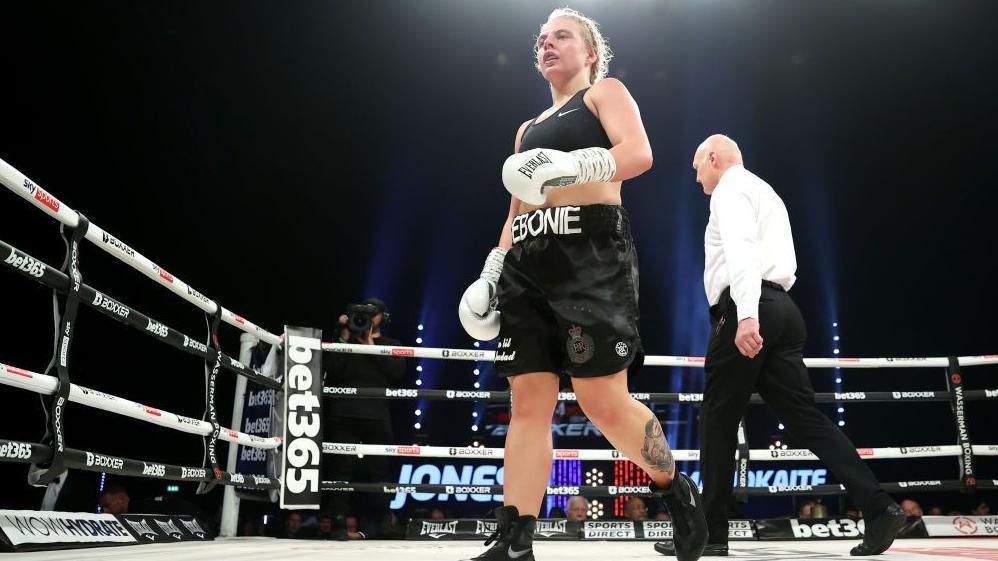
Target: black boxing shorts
(569,293)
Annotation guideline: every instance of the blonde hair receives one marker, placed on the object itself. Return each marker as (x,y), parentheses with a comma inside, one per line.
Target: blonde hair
(593,38)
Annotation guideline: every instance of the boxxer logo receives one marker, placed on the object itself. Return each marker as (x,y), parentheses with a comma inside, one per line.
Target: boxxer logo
(197,345)
(109,462)
(193,473)
(115,242)
(101,301)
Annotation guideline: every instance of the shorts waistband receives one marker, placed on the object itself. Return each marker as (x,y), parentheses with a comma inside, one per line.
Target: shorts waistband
(583,221)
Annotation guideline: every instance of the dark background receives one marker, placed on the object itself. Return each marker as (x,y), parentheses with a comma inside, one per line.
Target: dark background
(286,159)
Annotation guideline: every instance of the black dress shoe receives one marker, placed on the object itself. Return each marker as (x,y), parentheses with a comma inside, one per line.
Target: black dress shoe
(711,550)
(881,529)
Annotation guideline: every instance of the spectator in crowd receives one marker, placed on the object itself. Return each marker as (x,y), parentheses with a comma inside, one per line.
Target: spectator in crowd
(390,527)
(662,515)
(635,509)
(806,509)
(935,511)
(557,512)
(578,508)
(853,513)
(249,527)
(327,528)
(437,514)
(982,509)
(114,500)
(352,530)
(911,508)
(292,526)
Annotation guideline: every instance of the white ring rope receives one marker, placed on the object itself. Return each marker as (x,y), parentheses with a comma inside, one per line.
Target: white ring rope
(761,455)
(49,204)
(654,360)
(33,193)
(44,384)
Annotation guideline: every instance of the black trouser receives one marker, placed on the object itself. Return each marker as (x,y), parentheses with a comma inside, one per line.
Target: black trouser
(370,469)
(778,374)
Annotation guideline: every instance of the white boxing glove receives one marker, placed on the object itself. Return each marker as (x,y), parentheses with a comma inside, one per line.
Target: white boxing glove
(529,174)
(477,310)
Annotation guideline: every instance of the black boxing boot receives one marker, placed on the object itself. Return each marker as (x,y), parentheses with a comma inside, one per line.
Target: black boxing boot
(689,526)
(514,537)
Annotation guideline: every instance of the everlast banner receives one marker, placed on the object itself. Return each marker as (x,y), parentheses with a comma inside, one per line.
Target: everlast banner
(301,465)
(160,528)
(463,529)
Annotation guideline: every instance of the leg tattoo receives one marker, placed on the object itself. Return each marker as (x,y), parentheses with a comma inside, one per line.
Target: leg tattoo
(656,450)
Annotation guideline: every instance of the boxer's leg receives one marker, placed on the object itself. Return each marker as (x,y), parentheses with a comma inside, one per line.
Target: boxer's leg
(628,424)
(528,442)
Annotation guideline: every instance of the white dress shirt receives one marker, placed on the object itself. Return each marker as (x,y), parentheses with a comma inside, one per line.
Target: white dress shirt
(748,240)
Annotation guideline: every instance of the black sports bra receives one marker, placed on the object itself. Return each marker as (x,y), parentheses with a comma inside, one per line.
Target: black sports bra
(572,127)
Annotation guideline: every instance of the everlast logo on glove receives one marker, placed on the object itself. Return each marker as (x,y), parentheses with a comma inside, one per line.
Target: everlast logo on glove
(530,166)
(302,457)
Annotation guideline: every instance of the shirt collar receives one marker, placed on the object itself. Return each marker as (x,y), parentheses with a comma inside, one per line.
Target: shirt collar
(734,167)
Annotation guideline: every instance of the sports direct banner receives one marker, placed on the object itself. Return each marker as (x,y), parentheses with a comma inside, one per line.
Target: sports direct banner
(301,464)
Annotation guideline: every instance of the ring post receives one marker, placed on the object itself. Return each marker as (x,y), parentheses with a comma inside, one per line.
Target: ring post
(230,501)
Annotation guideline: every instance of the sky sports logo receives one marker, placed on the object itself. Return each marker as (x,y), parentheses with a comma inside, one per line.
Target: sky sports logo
(41,195)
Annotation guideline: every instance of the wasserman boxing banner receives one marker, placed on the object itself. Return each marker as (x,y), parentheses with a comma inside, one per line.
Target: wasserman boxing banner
(301,464)
(961,526)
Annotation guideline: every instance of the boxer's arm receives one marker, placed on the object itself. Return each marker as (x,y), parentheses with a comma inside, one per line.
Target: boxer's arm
(506,236)
(619,115)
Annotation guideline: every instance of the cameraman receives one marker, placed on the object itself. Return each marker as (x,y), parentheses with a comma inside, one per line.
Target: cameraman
(356,420)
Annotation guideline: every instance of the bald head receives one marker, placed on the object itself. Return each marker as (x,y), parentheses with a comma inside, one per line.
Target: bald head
(577,508)
(712,158)
(722,146)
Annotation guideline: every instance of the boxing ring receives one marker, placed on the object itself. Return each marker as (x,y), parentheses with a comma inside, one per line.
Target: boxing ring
(266,549)
(296,452)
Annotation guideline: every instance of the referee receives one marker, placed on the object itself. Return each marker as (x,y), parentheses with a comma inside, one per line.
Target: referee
(757,343)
